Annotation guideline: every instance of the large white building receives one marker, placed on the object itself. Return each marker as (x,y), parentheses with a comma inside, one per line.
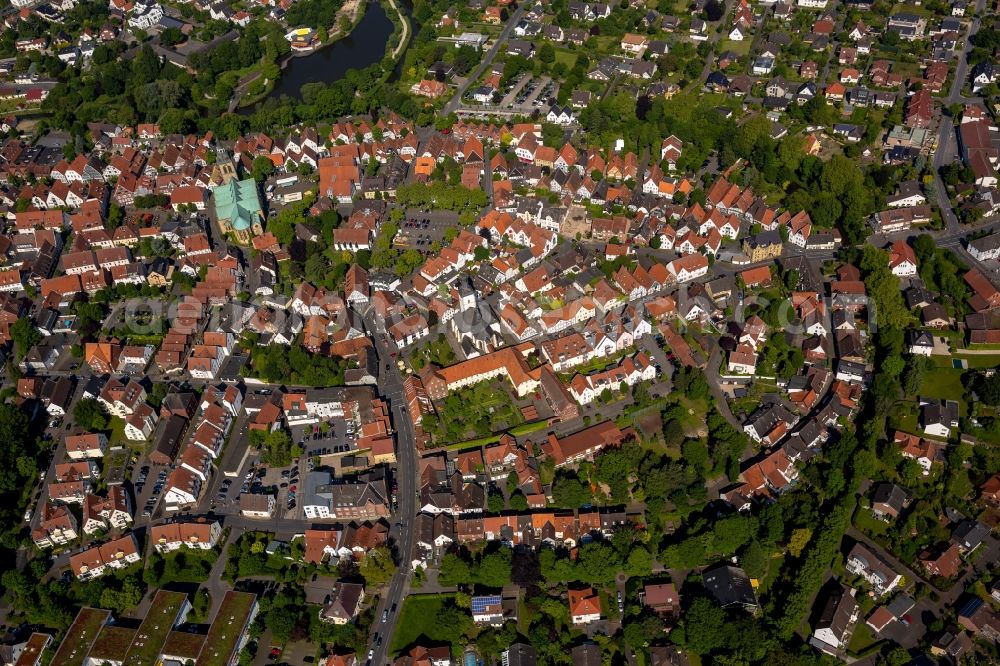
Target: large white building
(145,16)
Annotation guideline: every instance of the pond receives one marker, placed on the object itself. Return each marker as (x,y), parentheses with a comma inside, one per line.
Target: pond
(363,47)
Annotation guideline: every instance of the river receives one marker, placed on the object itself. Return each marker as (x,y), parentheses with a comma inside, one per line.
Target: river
(363,47)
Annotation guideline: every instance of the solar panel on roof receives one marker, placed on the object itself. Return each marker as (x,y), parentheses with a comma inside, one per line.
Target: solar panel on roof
(479,604)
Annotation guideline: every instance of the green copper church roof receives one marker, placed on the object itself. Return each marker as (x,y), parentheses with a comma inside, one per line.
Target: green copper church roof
(237,201)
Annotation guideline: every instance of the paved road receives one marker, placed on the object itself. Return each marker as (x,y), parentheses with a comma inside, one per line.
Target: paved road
(715,384)
(216,585)
(947,150)
(405,36)
(838,26)
(401,533)
(456,100)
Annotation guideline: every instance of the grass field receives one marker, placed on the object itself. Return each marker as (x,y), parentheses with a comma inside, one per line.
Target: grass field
(979,361)
(945,383)
(865,521)
(566,56)
(117,436)
(864,643)
(523,429)
(741,47)
(418,619)
(861,640)
(904,416)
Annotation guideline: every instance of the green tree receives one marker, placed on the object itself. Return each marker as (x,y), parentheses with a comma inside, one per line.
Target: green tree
(639,562)
(454,571)
(124,598)
(883,288)
(495,502)
(14,435)
(897,657)
(800,539)
(695,453)
(570,491)
(281,623)
(987,388)
(703,628)
(453,622)
(753,560)
(262,168)
(377,567)
(642,631)
(494,569)
(90,415)
(729,534)
(25,336)
(276,446)
(598,563)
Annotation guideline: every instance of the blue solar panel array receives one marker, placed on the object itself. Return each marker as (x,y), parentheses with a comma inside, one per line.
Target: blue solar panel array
(480,604)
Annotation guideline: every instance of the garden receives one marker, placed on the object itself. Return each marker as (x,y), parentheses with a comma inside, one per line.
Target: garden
(477,411)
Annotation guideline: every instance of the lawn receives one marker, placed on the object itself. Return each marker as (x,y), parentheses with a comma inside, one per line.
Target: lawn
(740,47)
(772,568)
(912,9)
(904,416)
(567,57)
(607,43)
(979,361)
(865,521)
(187,565)
(944,383)
(417,619)
(523,429)
(117,436)
(862,640)
(478,411)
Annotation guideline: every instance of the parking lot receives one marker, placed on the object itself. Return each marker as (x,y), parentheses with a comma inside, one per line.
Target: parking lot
(334,436)
(536,94)
(148,486)
(282,482)
(420,229)
(511,93)
(324,444)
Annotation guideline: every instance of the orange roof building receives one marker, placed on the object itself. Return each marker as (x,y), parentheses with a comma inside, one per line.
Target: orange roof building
(584,606)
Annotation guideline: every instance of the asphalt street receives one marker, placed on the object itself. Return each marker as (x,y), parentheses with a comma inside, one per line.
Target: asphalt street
(947,149)
(401,532)
(501,39)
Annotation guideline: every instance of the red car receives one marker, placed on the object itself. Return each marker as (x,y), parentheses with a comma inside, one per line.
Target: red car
(275,653)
